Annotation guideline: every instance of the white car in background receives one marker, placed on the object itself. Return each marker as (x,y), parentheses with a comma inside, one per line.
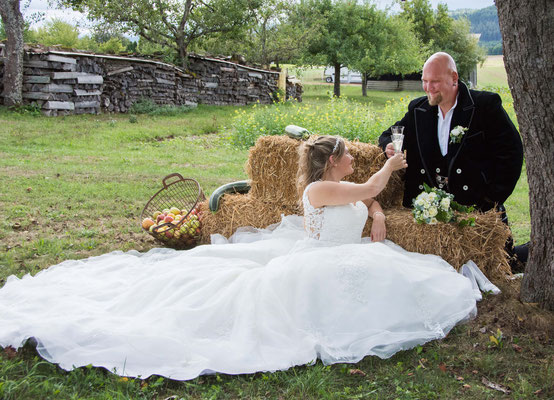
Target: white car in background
(346,75)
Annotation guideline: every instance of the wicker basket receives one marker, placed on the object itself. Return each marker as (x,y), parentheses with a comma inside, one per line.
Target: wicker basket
(171,215)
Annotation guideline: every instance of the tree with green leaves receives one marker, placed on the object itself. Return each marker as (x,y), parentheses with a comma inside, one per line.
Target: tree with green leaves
(360,37)
(58,32)
(389,47)
(437,31)
(342,33)
(275,35)
(172,24)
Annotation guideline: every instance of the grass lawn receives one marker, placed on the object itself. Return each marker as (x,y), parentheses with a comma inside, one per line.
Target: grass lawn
(74,187)
(492,72)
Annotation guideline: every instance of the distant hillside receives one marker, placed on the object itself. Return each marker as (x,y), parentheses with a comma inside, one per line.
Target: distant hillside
(485,22)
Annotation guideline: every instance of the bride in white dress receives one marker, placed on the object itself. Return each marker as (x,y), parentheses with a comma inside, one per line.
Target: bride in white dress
(272,299)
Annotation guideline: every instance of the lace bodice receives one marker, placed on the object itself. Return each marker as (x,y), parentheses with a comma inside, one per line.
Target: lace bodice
(338,224)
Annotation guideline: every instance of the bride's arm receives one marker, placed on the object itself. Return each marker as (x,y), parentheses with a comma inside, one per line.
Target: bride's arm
(328,193)
(378,228)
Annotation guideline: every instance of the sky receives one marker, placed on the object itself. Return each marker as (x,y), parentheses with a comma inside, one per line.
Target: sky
(76,18)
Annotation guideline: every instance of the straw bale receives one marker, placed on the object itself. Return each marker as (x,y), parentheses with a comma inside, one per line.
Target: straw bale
(272,166)
(273,163)
(483,243)
(236,210)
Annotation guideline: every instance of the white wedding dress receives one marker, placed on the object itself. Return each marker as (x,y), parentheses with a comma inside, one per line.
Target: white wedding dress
(271,299)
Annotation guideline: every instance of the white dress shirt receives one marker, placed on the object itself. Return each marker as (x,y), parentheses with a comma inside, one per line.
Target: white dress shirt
(443,128)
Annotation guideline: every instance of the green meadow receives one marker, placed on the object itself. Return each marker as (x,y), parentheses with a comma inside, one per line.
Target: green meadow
(74,187)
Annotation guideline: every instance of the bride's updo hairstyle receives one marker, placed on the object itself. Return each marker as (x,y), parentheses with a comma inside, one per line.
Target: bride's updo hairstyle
(313,159)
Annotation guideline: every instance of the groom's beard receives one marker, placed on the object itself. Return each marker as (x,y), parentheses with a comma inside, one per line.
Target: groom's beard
(434,101)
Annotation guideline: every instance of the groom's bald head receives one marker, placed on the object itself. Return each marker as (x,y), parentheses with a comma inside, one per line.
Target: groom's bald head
(443,61)
(440,80)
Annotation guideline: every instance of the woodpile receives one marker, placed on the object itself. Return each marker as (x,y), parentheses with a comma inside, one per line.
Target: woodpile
(58,85)
(63,83)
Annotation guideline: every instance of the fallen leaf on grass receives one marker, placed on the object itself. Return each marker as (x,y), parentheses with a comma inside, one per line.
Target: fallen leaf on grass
(356,372)
(466,386)
(460,378)
(537,392)
(442,367)
(10,352)
(495,386)
(517,348)
(474,372)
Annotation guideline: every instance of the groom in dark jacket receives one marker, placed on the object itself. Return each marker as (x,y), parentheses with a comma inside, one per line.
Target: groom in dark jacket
(481,165)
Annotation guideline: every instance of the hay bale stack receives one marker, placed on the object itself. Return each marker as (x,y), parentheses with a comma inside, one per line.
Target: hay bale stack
(272,165)
(483,243)
(236,210)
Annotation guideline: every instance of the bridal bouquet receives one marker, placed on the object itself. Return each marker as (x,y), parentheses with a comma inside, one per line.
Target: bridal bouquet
(435,205)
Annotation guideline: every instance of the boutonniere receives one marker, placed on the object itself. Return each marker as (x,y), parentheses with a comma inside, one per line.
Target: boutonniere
(457,134)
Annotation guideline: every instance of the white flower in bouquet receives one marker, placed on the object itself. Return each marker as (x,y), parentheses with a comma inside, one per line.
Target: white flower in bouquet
(445,204)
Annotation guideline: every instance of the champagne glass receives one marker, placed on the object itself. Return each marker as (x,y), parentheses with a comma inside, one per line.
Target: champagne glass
(397,138)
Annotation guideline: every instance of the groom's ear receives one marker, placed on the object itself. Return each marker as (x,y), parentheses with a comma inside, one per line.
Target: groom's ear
(455,77)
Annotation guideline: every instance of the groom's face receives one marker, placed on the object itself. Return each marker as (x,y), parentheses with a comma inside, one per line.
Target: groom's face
(438,83)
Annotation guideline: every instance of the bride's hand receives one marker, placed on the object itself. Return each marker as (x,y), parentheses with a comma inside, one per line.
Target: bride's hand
(397,162)
(378,228)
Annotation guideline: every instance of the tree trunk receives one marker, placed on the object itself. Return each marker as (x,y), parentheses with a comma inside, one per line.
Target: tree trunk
(527,33)
(13,61)
(182,51)
(336,86)
(364,84)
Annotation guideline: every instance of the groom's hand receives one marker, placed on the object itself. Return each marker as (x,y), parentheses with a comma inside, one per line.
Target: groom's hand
(389,150)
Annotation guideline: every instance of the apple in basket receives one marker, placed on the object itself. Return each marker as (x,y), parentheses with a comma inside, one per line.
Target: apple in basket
(147,223)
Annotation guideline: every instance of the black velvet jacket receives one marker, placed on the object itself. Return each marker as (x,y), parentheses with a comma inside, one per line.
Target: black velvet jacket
(482,169)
